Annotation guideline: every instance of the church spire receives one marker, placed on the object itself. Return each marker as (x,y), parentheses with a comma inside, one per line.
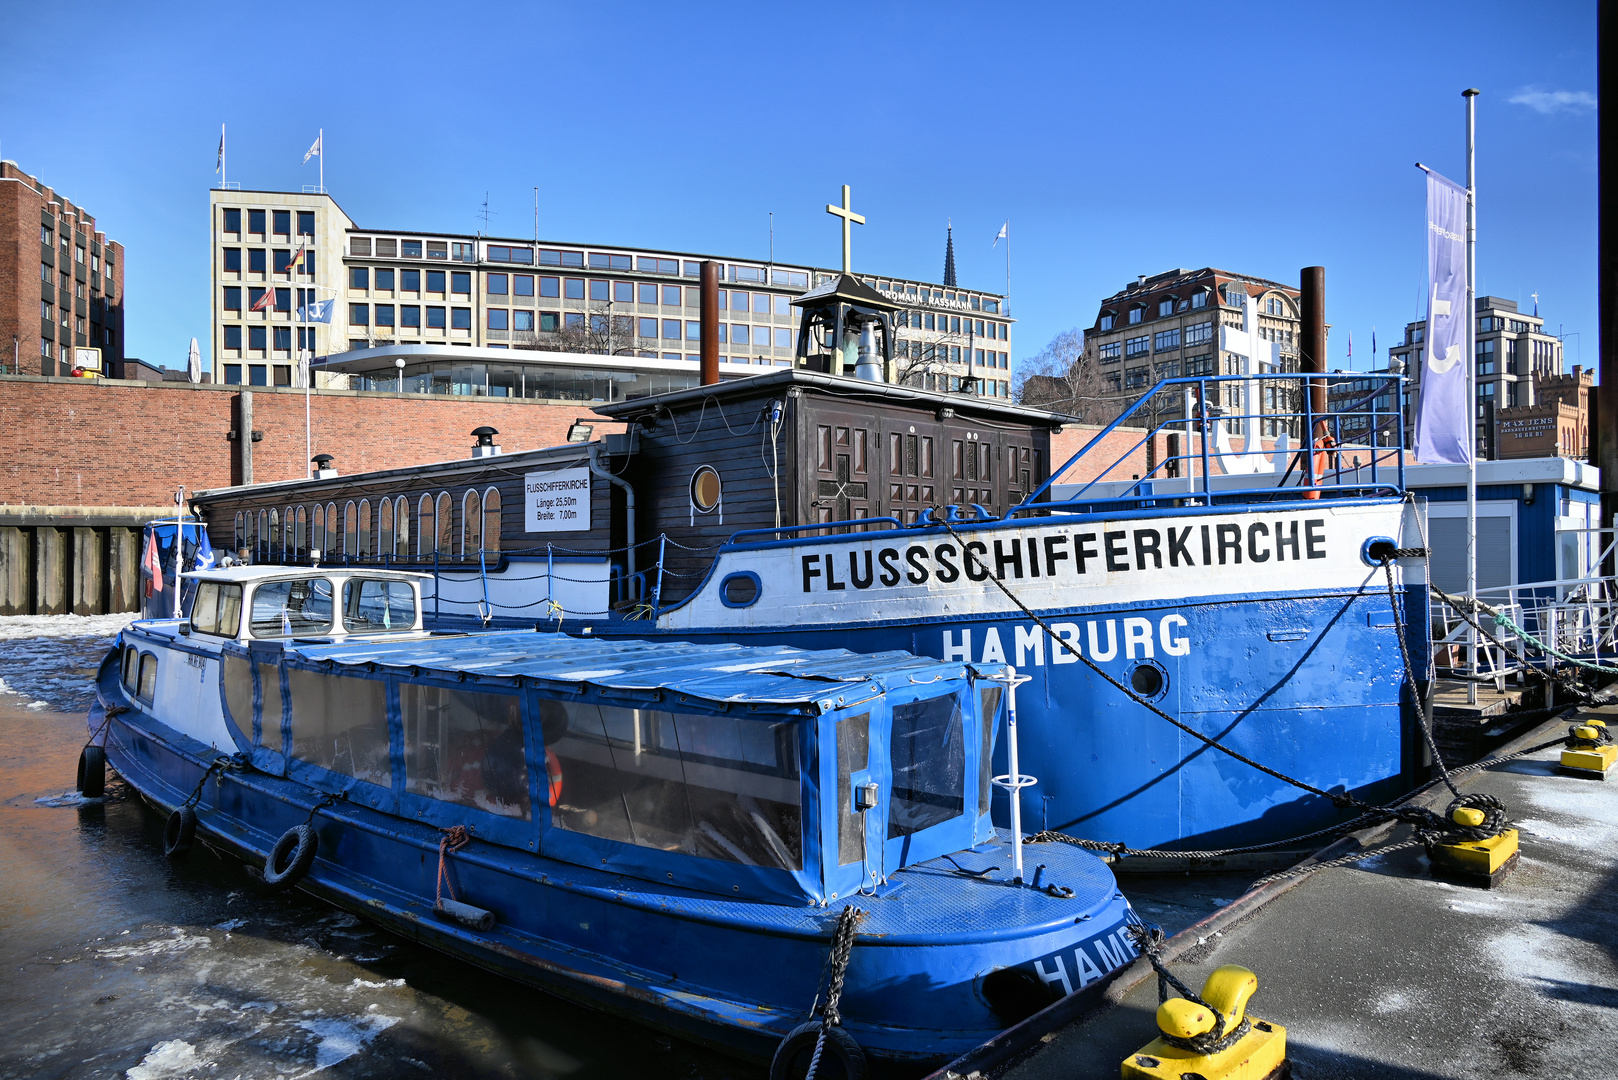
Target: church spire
(949,256)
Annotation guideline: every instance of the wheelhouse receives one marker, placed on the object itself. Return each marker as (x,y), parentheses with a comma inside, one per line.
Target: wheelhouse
(258,604)
(767,774)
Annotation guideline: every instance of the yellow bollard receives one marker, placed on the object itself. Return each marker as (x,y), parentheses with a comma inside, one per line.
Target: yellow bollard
(1591,759)
(1258,1053)
(1484,863)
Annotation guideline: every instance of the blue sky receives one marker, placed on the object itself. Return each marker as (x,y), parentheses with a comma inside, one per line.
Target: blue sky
(1118,139)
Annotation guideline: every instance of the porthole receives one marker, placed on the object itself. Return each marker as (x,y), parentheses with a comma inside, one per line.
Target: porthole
(706,491)
(741,589)
(1148,680)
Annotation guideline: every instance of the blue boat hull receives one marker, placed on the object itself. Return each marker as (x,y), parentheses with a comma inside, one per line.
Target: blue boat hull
(732,974)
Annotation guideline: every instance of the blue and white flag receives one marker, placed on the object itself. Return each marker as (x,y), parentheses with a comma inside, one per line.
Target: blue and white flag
(1444,411)
(319,311)
(205,556)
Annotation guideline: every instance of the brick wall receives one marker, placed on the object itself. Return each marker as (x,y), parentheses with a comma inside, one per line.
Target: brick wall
(79,442)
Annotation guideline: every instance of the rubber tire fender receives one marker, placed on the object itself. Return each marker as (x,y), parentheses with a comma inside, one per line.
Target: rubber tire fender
(179,832)
(92,772)
(842,1058)
(290,858)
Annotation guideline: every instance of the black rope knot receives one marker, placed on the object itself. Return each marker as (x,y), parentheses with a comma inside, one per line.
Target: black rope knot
(1149,943)
(1576,741)
(1493,824)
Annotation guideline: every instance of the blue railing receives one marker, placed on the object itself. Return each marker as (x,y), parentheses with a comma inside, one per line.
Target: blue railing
(1316,462)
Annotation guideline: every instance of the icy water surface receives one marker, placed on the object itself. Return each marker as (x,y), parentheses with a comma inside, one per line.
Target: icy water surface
(117,963)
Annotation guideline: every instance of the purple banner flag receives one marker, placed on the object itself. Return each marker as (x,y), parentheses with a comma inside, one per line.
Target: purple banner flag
(1444,411)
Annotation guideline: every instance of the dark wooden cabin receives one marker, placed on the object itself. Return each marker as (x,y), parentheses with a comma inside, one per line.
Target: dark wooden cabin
(780,450)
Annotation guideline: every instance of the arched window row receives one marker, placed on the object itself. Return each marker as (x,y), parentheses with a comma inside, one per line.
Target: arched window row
(392,529)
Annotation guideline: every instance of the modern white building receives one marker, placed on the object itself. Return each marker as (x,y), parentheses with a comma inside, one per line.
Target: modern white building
(276,253)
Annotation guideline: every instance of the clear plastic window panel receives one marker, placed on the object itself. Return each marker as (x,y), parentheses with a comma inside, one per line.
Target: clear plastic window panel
(717,787)
(853,756)
(238,676)
(290,608)
(989,709)
(369,606)
(465,748)
(341,724)
(928,754)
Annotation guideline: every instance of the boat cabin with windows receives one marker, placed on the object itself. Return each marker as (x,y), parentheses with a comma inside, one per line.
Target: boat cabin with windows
(603,528)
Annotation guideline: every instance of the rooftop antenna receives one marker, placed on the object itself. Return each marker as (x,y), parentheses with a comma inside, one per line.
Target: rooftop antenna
(536,213)
(486,213)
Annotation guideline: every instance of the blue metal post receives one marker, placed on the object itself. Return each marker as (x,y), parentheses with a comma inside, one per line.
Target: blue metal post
(1202,407)
(657,591)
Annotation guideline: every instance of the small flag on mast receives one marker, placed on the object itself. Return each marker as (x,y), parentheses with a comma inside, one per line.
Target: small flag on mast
(149,563)
(314,150)
(263,302)
(317,311)
(1003,234)
(297,257)
(220,164)
(1351,350)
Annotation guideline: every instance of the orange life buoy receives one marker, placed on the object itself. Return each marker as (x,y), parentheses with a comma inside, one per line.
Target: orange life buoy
(1319,463)
(553,768)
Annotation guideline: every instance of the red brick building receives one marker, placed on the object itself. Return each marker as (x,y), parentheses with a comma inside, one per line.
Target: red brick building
(1556,425)
(61,281)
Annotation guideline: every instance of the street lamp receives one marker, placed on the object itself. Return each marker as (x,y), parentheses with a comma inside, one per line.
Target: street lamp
(399,363)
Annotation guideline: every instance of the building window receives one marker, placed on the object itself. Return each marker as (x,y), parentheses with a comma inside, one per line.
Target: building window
(384,315)
(233,298)
(1275,306)
(648,328)
(496,284)
(233,337)
(283,338)
(283,300)
(410,281)
(1106,322)
(233,260)
(233,223)
(233,372)
(671,296)
(1199,334)
(1199,365)
(255,260)
(410,317)
(1485,351)
(461,318)
(435,281)
(522,284)
(359,277)
(648,294)
(1199,299)
(460,282)
(599,290)
(549,286)
(255,222)
(623,292)
(522,321)
(549,323)
(410,249)
(1137,346)
(498,319)
(384,280)
(257,337)
(1136,314)
(283,222)
(435,318)
(306,223)
(254,295)
(359,315)
(1165,307)
(1166,340)
(574,288)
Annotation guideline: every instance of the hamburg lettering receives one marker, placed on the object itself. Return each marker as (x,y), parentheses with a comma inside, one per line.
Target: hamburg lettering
(1067,555)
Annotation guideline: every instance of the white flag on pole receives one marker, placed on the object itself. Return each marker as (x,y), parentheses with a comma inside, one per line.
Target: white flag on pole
(1003,234)
(314,150)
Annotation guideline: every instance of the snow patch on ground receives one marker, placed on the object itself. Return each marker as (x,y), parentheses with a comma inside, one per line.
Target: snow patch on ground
(174,1058)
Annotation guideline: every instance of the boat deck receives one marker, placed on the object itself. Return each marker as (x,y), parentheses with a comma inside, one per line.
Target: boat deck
(1378,970)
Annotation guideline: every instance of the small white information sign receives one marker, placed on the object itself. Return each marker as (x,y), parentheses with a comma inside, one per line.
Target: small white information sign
(557,501)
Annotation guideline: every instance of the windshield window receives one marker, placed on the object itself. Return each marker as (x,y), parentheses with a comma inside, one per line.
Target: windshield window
(716,786)
(299,607)
(217,609)
(370,605)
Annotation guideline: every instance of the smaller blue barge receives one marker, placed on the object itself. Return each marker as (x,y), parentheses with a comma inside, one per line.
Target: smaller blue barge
(668,831)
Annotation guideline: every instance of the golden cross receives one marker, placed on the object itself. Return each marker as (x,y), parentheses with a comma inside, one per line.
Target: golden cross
(850,219)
